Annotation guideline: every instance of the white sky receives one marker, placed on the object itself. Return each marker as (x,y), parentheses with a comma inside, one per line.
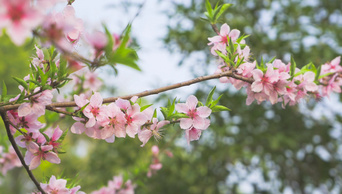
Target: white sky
(158,65)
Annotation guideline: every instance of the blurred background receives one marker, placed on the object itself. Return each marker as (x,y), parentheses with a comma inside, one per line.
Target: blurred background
(251,149)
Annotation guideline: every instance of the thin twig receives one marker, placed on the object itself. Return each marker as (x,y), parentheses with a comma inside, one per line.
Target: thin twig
(17,151)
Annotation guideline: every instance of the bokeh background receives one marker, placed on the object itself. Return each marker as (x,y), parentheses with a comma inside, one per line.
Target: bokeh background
(251,149)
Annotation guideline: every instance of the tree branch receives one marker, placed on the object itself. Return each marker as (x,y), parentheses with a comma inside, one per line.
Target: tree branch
(147,92)
(17,151)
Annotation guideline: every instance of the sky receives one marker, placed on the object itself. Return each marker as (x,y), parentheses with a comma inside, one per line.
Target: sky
(159,67)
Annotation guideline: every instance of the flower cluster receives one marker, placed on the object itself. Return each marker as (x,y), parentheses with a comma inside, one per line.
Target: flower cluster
(109,121)
(197,120)
(41,146)
(117,186)
(59,186)
(274,81)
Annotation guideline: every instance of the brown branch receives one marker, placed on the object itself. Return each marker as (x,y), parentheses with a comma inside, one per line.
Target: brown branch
(17,151)
(148,92)
(214,27)
(51,108)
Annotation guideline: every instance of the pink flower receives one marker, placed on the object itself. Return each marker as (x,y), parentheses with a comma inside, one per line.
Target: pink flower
(58,186)
(54,135)
(94,110)
(60,28)
(198,116)
(98,40)
(114,121)
(192,134)
(24,140)
(333,85)
(37,104)
(38,62)
(37,153)
(55,186)
(29,122)
(19,17)
(332,67)
(222,40)
(153,130)
(134,119)
(307,82)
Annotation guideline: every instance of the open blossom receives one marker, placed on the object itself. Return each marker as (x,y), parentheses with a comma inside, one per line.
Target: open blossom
(153,130)
(222,40)
(134,118)
(54,135)
(29,122)
(37,104)
(117,186)
(59,186)
(198,116)
(114,121)
(62,28)
(307,82)
(36,153)
(19,17)
(24,140)
(94,110)
(332,67)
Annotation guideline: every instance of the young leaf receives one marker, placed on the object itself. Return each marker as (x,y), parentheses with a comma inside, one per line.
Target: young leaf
(216,101)
(63,136)
(164,111)
(318,72)
(110,44)
(145,107)
(62,67)
(210,97)
(209,9)
(21,82)
(219,108)
(223,8)
(271,61)
(292,67)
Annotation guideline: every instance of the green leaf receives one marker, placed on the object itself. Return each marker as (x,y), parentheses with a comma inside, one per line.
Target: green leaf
(154,113)
(172,107)
(292,67)
(53,69)
(216,101)
(210,97)
(219,108)
(224,57)
(231,46)
(209,9)
(63,136)
(62,68)
(145,107)
(164,111)
(21,82)
(110,43)
(43,77)
(178,116)
(318,72)
(271,61)
(221,9)
(46,137)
